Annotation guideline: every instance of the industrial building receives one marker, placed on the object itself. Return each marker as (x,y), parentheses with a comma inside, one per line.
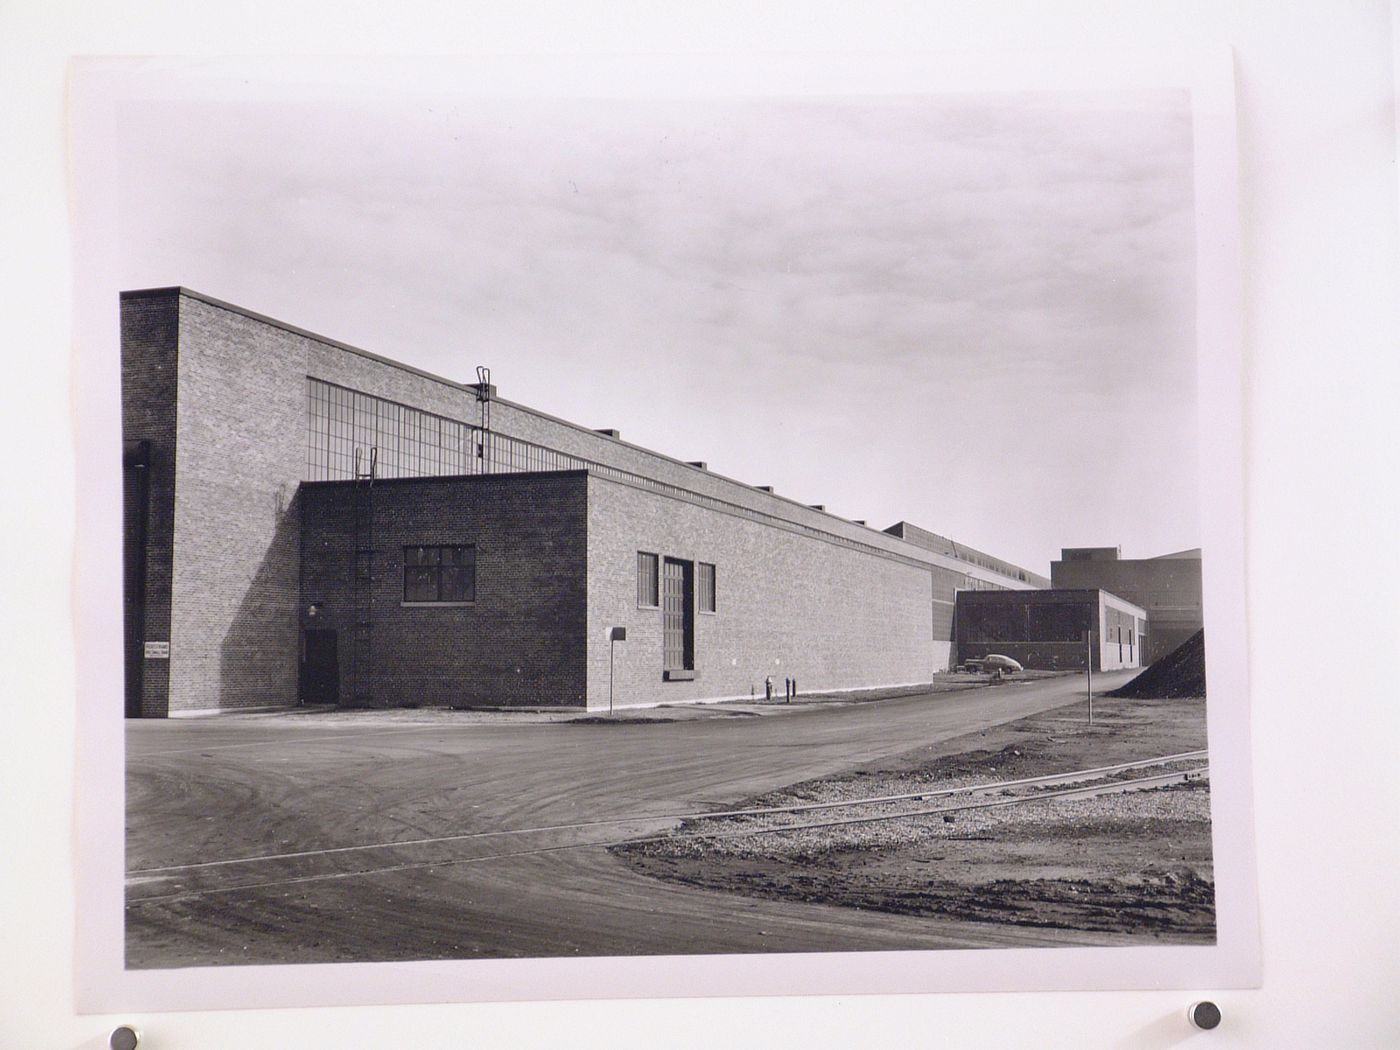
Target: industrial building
(1052,630)
(1168,587)
(306,521)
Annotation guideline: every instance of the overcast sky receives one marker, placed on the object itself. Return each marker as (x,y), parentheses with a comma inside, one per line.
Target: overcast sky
(974,313)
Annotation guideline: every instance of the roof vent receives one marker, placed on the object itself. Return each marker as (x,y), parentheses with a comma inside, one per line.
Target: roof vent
(818,506)
(697,463)
(764,488)
(861,521)
(609,432)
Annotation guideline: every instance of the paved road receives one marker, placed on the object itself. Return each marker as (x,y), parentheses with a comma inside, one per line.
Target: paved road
(282,841)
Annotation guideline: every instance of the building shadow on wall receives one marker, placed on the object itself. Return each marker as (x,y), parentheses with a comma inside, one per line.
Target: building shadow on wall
(258,657)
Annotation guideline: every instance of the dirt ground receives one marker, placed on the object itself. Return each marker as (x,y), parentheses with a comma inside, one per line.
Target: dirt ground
(1137,863)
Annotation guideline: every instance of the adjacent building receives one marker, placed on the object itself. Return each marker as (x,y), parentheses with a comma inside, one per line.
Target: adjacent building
(307,521)
(1167,587)
(1052,630)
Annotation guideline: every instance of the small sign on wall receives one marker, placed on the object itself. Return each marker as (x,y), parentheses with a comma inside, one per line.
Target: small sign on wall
(157,650)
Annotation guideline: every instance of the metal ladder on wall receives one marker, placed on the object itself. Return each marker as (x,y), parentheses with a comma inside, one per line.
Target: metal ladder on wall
(362,658)
(482,438)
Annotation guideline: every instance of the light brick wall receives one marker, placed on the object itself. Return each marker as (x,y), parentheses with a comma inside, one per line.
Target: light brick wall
(234,638)
(1119,619)
(787,605)
(541,429)
(241,456)
(230,558)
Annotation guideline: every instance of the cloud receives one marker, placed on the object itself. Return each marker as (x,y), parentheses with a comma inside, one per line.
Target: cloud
(960,281)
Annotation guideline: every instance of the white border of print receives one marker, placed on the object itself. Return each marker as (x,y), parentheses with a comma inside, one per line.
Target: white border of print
(104,985)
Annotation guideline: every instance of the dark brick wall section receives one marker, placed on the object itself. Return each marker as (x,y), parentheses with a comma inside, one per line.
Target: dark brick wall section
(945,588)
(1169,589)
(149,339)
(1044,630)
(1163,639)
(520,643)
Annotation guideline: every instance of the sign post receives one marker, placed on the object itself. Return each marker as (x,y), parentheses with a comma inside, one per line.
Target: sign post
(1089,671)
(615,635)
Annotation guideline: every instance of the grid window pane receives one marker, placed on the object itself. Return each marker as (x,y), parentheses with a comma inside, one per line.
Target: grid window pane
(420,583)
(678,622)
(647,593)
(707,587)
(406,442)
(439,574)
(458,583)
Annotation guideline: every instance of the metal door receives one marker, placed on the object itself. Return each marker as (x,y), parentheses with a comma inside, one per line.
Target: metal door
(320,667)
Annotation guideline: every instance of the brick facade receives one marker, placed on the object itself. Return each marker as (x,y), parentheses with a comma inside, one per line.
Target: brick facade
(1168,588)
(519,642)
(786,605)
(150,343)
(221,396)
(1045,629)
(234,642)
(996,567)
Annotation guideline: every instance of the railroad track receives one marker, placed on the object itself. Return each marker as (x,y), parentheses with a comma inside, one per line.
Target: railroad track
(172,882)
(1088,790)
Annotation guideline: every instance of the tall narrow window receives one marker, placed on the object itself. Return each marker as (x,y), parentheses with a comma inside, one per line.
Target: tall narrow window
(707,587)
(648,591)
(439,575)
(678,620)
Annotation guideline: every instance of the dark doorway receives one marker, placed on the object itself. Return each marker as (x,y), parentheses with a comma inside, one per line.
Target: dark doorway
(678,617)
(319,680)
(136,472)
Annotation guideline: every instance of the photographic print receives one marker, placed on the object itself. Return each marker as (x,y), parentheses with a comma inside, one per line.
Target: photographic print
(575,526)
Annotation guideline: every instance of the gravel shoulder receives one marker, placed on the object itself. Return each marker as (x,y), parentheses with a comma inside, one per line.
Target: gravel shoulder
(1137,863)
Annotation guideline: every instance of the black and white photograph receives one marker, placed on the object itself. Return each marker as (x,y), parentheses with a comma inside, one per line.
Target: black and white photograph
(779,525)
(599,526)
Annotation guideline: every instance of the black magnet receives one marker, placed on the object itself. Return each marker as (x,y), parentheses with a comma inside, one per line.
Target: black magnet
(1204,1015)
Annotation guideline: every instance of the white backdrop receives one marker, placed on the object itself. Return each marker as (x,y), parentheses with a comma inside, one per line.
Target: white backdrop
(1322,264)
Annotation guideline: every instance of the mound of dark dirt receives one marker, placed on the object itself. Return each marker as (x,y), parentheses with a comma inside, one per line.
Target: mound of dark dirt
(1182,672)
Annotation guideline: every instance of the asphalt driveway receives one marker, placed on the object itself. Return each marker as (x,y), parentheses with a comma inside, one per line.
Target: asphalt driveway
(257,840)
